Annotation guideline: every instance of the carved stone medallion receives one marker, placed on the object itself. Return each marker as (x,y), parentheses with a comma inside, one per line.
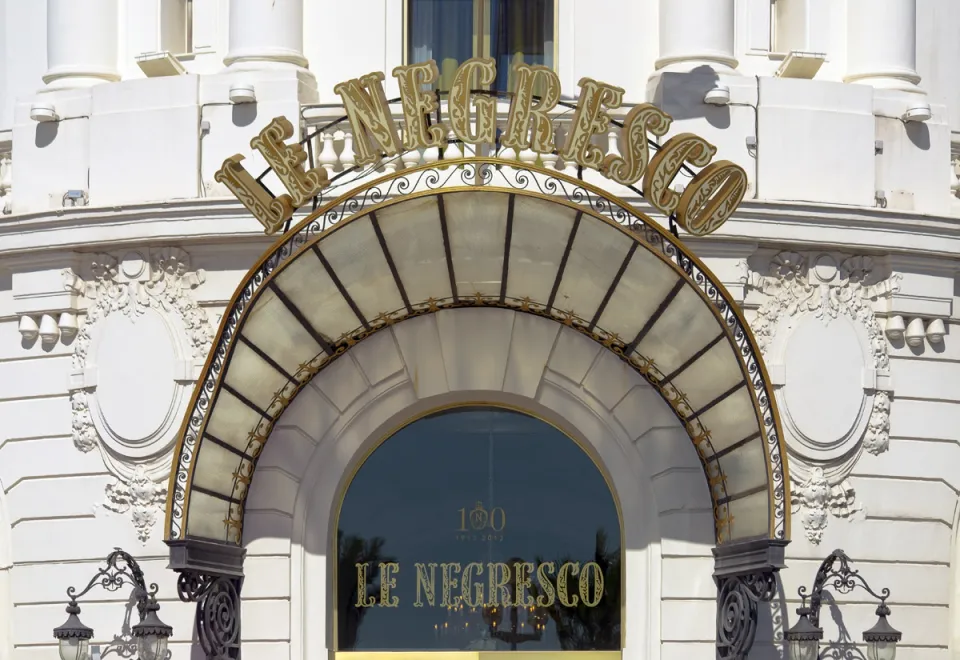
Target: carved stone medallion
(827,357)
(135,359)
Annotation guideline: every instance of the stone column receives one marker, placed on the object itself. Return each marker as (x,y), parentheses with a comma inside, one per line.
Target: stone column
(882,44)
(697,33)
(266,34)
(81,43)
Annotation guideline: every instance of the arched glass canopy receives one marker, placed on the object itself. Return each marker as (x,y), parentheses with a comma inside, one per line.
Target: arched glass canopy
(484,234)
(460,532)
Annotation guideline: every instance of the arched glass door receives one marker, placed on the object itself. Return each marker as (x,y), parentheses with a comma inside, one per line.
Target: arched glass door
(479,529)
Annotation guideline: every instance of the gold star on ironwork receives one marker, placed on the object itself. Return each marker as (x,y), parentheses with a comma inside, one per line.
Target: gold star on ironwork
(568,317)
(432,305)
(525,304)
(611,339)
(478,298)
(384,319)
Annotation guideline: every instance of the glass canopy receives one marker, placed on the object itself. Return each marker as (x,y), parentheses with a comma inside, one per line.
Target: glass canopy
(634,290)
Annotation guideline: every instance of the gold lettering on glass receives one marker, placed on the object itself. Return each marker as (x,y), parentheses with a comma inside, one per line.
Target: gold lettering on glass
(388,581)
(287,162)
(567,571)
(475,73)
(269,211)
(680,149)
(591,119)
(586,597)
(472,592)
(427,581)
(523,571)
(449,583)
(417,105)
(712,197)
(529,125)
(366,106)
(364,599)
(499,578)
(629,168)
(549,595)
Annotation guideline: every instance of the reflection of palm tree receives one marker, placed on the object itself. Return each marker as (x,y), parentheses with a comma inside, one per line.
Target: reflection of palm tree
(583,628)
(353,550)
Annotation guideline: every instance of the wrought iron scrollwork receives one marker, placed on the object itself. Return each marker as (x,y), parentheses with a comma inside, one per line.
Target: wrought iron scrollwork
(835,573)
(121,569)
(218,612)
(738,598)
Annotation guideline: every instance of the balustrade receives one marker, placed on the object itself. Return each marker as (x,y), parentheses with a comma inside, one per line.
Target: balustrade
(332,145)
(6,184)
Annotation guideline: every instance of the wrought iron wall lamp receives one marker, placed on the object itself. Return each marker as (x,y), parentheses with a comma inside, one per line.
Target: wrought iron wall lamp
(805,636)
(150,634)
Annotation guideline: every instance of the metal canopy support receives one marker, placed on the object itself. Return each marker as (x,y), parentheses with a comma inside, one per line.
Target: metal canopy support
(746,575)
(211,575)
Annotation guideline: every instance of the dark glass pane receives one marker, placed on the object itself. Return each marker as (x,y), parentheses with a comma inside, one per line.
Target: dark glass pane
(520,31)
(440,30)
(454,505)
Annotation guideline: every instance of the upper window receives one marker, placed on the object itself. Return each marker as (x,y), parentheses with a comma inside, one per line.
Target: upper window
(509,31)
(478,529)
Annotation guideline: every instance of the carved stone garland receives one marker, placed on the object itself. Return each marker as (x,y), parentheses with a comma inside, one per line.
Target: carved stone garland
(131,286)
(797,287)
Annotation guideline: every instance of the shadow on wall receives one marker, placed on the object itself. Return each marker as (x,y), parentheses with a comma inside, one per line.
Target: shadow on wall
(686,93)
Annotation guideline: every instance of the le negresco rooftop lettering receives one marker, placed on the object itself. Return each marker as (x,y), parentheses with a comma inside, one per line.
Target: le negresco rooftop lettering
(704,205)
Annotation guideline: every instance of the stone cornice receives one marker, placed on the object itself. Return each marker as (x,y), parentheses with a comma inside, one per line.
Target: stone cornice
(223,220)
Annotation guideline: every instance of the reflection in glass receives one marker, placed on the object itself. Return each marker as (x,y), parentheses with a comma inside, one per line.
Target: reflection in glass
(452,31)
(441,30)
(478,529)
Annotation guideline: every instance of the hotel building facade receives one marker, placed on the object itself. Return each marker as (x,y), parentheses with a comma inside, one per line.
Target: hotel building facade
(484,395)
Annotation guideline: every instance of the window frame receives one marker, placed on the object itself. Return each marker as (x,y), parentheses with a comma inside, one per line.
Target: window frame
(481,35)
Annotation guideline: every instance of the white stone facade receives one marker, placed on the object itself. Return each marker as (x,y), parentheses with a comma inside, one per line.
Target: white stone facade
(119,252)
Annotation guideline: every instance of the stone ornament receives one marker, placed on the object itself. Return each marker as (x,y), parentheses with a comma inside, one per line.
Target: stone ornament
(828,359)
(134,362)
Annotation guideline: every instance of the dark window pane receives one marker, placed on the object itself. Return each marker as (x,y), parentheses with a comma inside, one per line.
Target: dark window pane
(441,30)
(494,530)
(520,31)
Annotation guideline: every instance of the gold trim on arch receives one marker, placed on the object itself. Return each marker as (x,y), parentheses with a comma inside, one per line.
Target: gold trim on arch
(458,163)
(362,457)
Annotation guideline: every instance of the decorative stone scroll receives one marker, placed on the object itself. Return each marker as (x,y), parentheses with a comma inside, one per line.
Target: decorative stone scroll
(134,363)
(828,359)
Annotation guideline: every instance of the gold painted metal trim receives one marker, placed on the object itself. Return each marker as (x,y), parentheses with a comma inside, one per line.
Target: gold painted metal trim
(362,457)
(587,187)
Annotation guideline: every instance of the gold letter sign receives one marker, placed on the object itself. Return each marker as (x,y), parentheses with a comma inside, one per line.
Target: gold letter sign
(287,163)
(707,202)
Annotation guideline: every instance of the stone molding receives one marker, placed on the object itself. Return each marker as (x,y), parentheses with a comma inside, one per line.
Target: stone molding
(131,286)
(839,292)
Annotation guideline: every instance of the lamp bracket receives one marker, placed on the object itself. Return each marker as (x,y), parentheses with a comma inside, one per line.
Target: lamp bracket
(835,573)
(121,569)
(218,611)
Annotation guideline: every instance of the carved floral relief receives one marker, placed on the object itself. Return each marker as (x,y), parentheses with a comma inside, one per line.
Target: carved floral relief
(827,354)
(133,366)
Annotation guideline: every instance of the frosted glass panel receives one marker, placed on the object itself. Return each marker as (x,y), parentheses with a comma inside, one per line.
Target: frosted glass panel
(644,285)
(309,287)
(206,516)
(712,374)
(215,468)
(278,333)
(686,326)
(750,515)
(252,377)
(745,467)
(232,420)
(477,224)
(597,254)
(412,232)
(356,256)
(540,234)
(731,420)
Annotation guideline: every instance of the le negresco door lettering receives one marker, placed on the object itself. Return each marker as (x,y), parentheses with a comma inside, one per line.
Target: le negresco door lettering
(529,566)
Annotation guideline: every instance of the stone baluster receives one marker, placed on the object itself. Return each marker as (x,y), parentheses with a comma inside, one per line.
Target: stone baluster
(347,158)
(327,158)
(453,147)
(6,183)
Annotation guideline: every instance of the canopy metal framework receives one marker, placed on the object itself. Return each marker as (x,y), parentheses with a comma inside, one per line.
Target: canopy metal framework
(488,233)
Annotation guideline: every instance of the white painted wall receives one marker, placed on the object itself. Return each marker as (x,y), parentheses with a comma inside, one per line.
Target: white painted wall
(136,148)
